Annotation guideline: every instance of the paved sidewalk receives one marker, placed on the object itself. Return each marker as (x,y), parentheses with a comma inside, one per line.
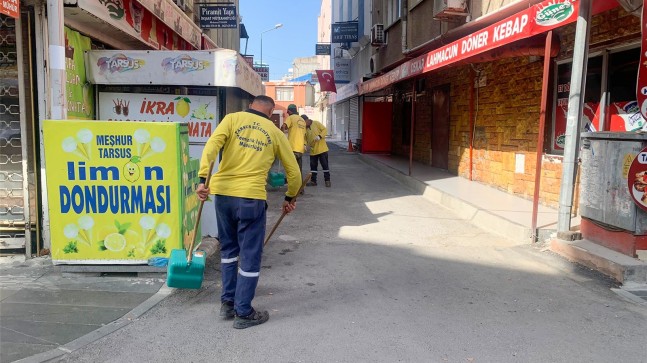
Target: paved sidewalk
(45,313)
(41,309)
(504,214)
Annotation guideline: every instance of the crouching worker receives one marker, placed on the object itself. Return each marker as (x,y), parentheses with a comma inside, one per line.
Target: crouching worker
(249,142)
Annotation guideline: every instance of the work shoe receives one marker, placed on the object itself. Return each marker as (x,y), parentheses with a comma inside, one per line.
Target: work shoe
(328,183)
(255,318)
(311,183)
(227,310)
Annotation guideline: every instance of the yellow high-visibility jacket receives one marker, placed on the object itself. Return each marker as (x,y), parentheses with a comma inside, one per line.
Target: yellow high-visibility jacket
(296,133)
(249,142)
(318,146)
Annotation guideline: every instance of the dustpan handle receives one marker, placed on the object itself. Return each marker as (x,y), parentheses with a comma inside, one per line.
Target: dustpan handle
(197,221)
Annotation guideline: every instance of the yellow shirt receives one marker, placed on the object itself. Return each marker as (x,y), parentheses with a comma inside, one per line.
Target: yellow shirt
(317,146)
(249,142)
(296,133)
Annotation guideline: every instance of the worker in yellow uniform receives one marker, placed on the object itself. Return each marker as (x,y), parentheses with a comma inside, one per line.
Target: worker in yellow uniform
(250,142)
(296,128)
(316,139)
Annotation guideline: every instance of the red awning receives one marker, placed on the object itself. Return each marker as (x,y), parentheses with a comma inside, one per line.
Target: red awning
(538,19)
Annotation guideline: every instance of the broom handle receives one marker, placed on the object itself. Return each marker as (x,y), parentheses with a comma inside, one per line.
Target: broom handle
(197,221)
(303,184)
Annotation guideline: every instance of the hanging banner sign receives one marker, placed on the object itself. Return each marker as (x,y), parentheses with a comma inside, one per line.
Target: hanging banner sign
(342,70)
(80,94)
(10,8)
(322,49)
(641,94)
(540,18)
(637,179)
(345,32)
(218,17)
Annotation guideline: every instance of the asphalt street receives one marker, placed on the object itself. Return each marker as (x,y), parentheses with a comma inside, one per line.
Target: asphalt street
(367,271)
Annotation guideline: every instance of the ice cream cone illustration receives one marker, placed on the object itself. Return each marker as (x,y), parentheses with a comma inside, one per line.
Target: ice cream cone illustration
(143,138)
(85,224)
(71,146)
(148,228)
(84,137)
(157,145)
(163,231)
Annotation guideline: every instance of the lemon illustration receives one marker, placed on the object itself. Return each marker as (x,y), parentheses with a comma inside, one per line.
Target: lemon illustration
(131,169)
(118,237)
(114,242)
(182,106)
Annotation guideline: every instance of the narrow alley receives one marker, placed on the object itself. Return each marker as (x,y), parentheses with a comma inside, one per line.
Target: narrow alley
(368,271)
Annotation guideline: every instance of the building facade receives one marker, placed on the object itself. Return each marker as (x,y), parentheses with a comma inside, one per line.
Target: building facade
(351,63)
(479,117)
(284,93)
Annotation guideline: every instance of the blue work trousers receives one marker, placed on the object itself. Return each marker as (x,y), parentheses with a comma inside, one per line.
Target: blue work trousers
(241,230)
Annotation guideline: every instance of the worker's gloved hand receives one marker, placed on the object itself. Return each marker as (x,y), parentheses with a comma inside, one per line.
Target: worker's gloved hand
(318,137)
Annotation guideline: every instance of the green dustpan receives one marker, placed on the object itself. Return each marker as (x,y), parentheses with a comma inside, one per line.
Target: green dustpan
(186,270)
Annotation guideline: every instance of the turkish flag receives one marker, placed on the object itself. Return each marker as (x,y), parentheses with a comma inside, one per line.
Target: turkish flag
(326,81)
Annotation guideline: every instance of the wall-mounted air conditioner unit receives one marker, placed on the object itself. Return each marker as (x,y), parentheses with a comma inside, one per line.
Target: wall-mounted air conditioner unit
(374,64)
(377,35)
(450,10)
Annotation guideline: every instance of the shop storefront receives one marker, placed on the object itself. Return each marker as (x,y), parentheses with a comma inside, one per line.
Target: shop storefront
(472,107)
(346,114)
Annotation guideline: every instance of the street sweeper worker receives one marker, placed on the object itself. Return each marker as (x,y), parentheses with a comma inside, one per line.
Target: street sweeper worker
(296,128)
(316,139)
(250,142)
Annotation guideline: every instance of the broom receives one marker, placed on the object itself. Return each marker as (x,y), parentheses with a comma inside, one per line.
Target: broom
(303,184)
(186,267)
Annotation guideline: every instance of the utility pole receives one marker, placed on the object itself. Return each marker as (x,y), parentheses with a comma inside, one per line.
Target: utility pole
(56,60)
(574,118)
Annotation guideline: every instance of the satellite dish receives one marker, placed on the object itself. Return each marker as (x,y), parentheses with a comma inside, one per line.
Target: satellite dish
(632,6)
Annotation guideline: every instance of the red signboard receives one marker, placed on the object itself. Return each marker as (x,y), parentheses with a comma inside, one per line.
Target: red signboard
(10,7)
(637,179)
(641,89)
(537,19)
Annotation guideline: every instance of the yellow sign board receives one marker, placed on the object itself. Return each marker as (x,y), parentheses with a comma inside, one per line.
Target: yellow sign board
(116,190)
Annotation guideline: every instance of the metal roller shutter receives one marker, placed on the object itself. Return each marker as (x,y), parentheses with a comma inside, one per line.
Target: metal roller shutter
(353,122)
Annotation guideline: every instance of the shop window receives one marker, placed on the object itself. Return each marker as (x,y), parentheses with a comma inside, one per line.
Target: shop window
(609,97)
(393,11)
(284,93)
(623,113)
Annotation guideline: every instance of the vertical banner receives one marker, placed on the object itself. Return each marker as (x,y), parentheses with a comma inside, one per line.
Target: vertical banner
(115,190)
(641,92)
(80,93)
